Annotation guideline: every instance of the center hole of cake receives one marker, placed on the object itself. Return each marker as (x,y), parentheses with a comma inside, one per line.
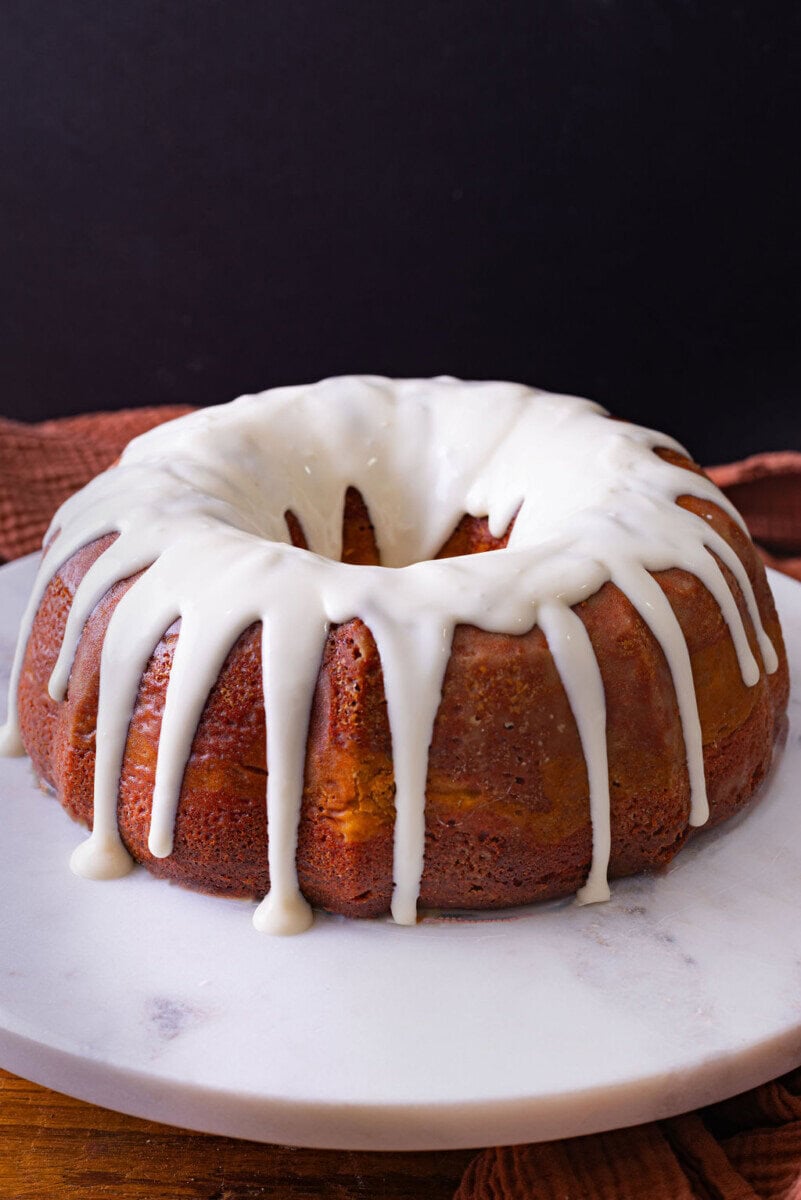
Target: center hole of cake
(360,548)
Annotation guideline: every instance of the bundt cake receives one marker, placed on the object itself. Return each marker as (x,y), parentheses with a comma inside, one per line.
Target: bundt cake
(370,643)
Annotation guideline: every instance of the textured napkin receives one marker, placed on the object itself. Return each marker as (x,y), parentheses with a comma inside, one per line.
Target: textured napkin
(41,465)
(748,1148)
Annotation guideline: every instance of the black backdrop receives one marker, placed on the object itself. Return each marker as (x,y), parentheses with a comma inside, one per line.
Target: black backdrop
(203,198)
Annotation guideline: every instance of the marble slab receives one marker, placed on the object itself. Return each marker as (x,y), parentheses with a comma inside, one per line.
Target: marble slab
(684,988)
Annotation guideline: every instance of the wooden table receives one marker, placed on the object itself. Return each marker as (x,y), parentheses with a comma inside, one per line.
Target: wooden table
(57,1148)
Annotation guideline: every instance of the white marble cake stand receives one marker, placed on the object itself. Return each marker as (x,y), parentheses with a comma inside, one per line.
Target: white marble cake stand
(685,988)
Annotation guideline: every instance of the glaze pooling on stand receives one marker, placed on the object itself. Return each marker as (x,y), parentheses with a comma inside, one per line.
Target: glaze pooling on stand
(199,507)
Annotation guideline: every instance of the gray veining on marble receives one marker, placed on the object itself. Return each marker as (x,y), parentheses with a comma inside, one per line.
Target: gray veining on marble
(685,987)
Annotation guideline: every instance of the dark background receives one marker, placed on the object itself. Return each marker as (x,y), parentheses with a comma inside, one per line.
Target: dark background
(203,198)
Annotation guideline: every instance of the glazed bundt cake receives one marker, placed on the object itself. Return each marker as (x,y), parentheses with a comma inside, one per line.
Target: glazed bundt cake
(372,643)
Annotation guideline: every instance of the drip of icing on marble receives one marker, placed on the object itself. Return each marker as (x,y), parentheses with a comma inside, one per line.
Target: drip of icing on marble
(198,506)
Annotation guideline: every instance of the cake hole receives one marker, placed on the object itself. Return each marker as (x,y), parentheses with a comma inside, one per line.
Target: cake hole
(360,546)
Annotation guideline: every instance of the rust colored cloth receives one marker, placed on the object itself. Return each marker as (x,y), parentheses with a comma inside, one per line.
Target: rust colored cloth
(41,465)
(748,1148)
(767,491)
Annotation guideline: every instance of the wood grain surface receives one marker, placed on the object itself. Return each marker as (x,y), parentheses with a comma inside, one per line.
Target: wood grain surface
(63,1149)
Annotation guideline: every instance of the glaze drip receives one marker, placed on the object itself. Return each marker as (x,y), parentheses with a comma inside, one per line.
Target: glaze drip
(592,503)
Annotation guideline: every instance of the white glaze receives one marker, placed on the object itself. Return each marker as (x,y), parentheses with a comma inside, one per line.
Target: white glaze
(203,499)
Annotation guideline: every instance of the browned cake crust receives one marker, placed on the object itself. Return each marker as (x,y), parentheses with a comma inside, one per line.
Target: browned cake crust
(507,810)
